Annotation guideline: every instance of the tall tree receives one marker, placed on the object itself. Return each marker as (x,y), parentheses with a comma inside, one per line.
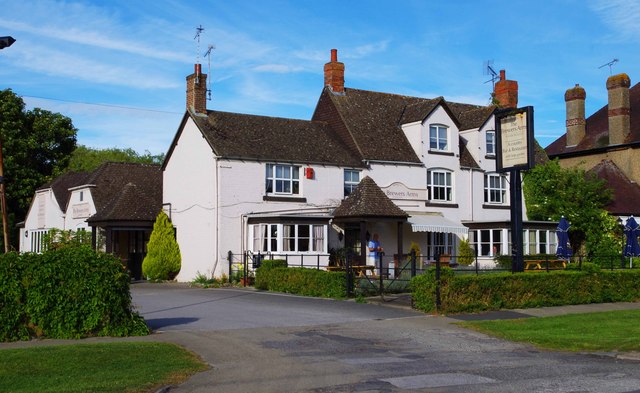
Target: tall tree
(551,192)
(36,146)
(86,159)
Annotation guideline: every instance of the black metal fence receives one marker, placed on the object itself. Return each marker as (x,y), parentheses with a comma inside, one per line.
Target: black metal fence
(392,274)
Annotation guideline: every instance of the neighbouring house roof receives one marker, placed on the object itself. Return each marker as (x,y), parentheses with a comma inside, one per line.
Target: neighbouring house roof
(597,129)
(235,135)
(368,201)
(626,193)
(126,191)
(61,185)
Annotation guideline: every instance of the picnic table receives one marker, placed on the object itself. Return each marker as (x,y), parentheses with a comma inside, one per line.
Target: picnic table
(542,264)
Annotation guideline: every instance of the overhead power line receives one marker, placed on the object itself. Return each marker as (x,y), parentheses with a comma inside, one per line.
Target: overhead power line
(104,105)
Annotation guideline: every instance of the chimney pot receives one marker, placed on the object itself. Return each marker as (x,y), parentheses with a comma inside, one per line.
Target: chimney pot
(576,125)
(197,91)
(619,108)
(334,73)
(503,75)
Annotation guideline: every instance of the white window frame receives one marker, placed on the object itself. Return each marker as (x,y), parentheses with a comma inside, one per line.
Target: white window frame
(349,183)
(282,179)
(495,194)
(276,237)
(490,145)
(438,137)
(434,179)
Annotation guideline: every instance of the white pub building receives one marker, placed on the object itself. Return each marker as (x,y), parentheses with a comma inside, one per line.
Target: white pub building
(244,183)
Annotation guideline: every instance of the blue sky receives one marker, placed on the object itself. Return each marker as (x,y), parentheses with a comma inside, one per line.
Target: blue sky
(132,57)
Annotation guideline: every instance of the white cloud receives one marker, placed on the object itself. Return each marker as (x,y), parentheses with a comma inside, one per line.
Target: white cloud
(63,64)
(98,39)
(621,16)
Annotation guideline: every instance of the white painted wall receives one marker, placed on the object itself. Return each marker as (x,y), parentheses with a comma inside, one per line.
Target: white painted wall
(44,214)
(189,183)
(79,208)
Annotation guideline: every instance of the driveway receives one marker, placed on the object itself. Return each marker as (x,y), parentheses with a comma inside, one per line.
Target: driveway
(261,342)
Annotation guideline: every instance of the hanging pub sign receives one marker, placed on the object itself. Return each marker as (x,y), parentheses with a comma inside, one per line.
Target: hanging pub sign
(514,139)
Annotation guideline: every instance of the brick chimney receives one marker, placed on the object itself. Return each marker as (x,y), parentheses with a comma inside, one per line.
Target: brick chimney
(506,92)
(197,91)
(334,73)
(576,125)
(619,127)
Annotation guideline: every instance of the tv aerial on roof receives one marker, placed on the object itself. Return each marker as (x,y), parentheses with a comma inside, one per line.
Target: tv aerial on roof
(487,69)
(207,54)
(611,63)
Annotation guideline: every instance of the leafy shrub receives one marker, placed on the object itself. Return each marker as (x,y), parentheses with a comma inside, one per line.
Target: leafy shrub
(274,263)
(163,260)
(70,292)
(58,238)
(466,253)
(301,281)
(12,313)
(471,293)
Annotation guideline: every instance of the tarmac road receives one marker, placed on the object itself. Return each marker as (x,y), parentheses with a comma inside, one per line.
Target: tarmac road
(263,342)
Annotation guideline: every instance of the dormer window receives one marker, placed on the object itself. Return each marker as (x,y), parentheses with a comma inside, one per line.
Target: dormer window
(282,179)
(438,138)
(491,143)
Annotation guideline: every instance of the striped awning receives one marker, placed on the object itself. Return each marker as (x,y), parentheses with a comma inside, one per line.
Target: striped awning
(436,223)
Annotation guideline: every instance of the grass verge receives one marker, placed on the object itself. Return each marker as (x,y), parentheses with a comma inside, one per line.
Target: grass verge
(603,331)
(106,367)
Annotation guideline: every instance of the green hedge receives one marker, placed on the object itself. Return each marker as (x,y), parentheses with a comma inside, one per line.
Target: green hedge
(473,293)
(70,292)
(300,281)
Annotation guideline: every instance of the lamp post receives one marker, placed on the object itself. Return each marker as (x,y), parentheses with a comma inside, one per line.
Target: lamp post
(5,42)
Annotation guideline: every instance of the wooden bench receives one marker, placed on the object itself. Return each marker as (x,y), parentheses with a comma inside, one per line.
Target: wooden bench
(362,270)
(554,264)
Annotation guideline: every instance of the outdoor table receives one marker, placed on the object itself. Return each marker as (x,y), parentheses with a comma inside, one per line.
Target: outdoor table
(541,264)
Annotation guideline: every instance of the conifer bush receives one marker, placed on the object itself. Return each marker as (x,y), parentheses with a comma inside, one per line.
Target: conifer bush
(163,260)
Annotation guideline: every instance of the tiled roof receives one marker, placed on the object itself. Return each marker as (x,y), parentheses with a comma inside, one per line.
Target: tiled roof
(131,204)
(471,116)
(61,185)
(626,193)
(126,191)
(466,159)
(597,128)
(235,135)
(368,200)
(372,120)
(346,129)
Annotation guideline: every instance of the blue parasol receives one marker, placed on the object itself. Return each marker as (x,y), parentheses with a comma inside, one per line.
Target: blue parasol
(631,231)
(564,250)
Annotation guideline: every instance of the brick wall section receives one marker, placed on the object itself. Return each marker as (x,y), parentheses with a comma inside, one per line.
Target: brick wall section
(576,124)
(334,73)
(619,121)
(197,91)
(506,92)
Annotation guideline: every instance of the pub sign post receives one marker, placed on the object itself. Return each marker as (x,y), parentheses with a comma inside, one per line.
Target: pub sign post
(515,152)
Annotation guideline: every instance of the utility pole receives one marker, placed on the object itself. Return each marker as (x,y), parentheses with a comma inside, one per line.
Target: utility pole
(5,42)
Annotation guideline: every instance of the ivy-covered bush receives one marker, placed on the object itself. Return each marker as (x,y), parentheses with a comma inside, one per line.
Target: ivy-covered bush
(163,260)
(70,292)
(300,281)
(12,312)
(472,293)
